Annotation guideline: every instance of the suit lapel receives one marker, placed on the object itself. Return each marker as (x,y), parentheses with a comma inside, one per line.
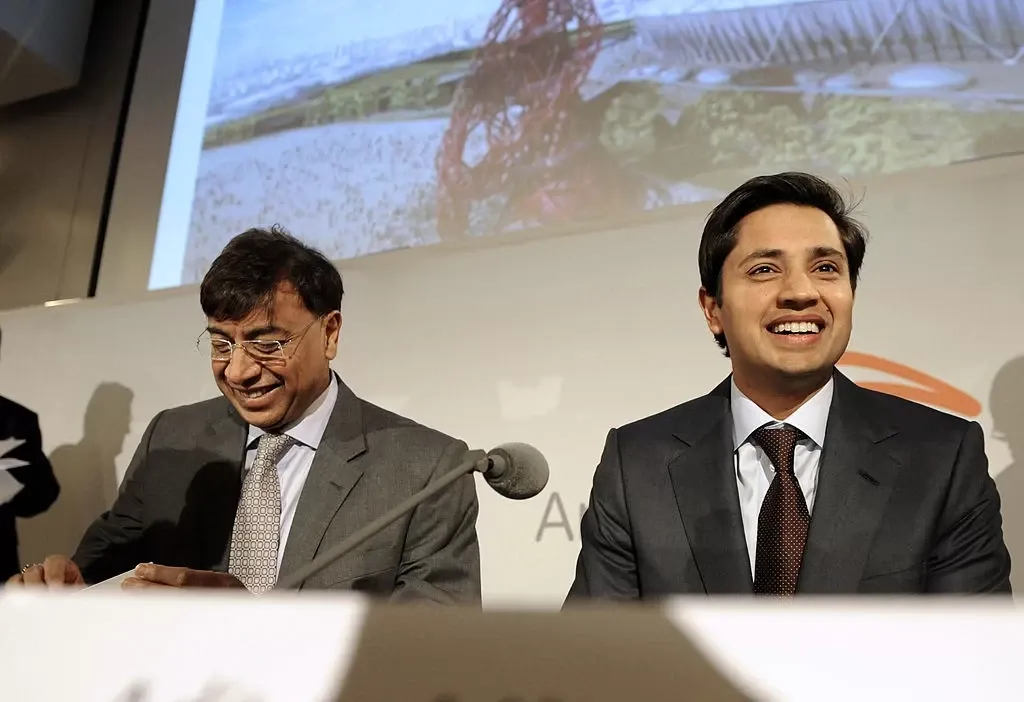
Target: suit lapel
(854,483)
(224,438)
(704,481)
(331,478)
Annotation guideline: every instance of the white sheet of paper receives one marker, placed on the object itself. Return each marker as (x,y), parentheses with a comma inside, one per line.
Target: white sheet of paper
(860,647)
(9,487)
(9,444)
(158,647)
(113,583)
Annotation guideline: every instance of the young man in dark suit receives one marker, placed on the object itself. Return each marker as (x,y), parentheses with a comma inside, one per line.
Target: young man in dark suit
(249,487)
(20,436)
(788,478)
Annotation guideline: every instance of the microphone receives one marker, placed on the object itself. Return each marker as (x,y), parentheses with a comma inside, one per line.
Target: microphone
(515,470)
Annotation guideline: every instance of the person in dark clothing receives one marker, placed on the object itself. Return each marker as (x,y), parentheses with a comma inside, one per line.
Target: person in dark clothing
(22,458)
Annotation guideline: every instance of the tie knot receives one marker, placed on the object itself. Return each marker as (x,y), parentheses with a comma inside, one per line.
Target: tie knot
(273,446)
(779,443)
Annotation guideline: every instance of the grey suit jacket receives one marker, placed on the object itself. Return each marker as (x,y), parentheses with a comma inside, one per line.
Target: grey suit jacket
(904,504)
(178,500)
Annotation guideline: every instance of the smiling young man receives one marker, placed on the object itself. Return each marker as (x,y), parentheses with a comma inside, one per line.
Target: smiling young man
(788,478)
(234,492)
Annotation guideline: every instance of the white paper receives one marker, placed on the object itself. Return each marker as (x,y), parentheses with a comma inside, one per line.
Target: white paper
(113,583)
(854,650)
(159,647)
(9,487)
(6,446)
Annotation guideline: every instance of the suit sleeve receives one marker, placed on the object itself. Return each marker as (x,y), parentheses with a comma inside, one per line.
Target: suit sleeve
(606,567)
(441,556)
(114,543)
(969,555)
(40,485)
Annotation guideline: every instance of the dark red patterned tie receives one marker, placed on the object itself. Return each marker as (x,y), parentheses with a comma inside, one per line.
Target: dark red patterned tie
(783,521)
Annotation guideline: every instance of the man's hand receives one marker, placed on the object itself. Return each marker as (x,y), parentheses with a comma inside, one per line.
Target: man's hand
(56,572)
(151,575)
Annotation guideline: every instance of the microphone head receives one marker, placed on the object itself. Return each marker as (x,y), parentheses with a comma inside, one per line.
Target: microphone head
(516,471)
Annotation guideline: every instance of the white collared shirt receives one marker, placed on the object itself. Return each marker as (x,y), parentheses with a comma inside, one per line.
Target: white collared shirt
(754,472)
(293,467)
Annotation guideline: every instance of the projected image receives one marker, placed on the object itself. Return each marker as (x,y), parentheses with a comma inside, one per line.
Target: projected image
(366,127)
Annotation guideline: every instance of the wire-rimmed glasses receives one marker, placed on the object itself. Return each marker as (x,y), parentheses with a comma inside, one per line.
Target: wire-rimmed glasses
(217,348)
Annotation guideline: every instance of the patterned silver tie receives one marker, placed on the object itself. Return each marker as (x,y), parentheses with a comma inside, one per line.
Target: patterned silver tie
(257,531)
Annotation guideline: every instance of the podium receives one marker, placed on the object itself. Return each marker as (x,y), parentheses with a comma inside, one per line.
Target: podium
(221,646)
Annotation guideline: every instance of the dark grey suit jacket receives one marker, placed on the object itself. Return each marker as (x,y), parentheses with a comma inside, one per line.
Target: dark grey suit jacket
(904,504)
(178,500)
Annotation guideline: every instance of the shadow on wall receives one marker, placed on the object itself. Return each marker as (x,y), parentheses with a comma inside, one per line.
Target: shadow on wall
(87,474)
(1006,403)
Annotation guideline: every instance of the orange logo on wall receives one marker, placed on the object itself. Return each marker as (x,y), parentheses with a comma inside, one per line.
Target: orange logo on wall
(918,386)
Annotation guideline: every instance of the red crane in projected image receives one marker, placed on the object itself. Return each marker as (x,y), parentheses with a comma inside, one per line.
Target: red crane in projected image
(542,152)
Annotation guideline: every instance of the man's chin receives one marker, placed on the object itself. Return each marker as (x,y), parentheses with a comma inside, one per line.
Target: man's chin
(266,419)
(804,371)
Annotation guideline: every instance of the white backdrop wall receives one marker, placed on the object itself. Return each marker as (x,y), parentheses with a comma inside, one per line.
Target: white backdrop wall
(551,342)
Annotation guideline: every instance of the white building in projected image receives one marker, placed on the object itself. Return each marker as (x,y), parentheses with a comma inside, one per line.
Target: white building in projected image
(838,32)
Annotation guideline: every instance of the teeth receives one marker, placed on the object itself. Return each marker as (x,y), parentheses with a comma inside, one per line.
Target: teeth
(796,328)
(253,394)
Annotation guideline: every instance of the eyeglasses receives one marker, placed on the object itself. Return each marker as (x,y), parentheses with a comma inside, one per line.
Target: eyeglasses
(260,350)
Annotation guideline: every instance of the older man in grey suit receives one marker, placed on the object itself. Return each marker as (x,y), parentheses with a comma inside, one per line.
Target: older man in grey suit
(234,492)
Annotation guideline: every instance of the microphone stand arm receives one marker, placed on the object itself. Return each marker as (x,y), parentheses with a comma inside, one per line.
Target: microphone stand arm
(474,460)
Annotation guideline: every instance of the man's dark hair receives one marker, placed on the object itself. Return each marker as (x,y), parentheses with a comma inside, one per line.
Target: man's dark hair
(792,188)
(247,272)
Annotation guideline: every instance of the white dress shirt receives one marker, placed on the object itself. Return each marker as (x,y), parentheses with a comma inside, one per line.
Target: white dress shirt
(754,472)
(294,465)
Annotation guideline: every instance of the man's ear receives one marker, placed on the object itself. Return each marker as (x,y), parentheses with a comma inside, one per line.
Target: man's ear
(332,333)
(709,306)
